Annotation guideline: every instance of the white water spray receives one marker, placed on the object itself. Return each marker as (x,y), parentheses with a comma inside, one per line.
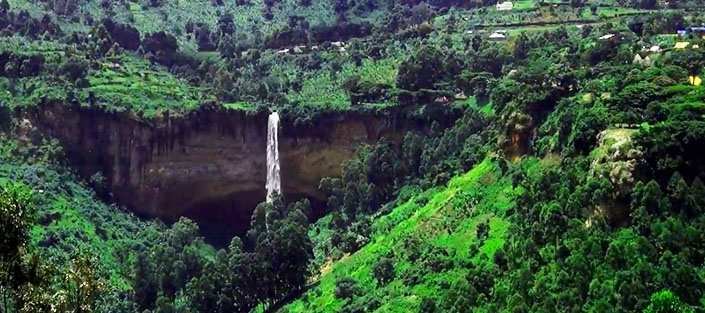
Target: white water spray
(273,178)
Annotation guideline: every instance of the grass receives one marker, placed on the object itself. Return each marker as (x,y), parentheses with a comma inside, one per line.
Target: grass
(20,45)
(322,92)
(525,5)
(324,89)
(485,108)
(241,106)
(687,97)
(512,32)
(119,84)
(380,72)
(132,84)
(173,16)
(447,221)
(617,11)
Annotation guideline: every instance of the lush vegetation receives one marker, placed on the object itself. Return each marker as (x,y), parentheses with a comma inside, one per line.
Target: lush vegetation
(557,170)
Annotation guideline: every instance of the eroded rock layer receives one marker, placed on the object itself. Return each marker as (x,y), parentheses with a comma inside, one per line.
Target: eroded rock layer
(209,165)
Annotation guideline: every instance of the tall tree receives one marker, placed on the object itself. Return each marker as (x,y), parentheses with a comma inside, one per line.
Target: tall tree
(4,7)
(144,283)
(283,248)
(17,214)
(82,285)
(678,191)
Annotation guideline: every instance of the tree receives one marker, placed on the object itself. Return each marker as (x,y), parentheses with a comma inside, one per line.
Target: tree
(162,46)
(428,305)
(678,191)
(183,233)
(429,68)
(666,302)
(483,231)
(577,3)
(461,297)
(522,46)
(144,283)
(346,288)
(82,285)
(17,215)
(650,197)
(164,305)
(649,4)
(282,248)
(243,269)
(285,249)
(593,9)
(203,290)
(4,7)
(156,3)
(223,85)
(383,270)
(696,200)
(411,151)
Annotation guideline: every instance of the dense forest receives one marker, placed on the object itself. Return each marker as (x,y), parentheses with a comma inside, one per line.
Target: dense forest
(437,156)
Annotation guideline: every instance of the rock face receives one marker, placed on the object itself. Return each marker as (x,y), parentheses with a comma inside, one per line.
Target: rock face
(617,160)
(209,165)
(309,153)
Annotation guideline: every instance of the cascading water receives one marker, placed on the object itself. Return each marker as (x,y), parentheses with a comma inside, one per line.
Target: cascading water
(273,179)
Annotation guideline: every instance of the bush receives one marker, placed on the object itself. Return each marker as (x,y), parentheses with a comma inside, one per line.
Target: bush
(383,270)
(346,288)
(429,69)
(74,68)
(667,302)
(428,305)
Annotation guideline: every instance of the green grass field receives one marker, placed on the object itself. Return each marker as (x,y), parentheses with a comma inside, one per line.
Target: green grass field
(135,85)
(617,11)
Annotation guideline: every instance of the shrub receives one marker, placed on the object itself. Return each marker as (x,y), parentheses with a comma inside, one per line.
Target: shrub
(346,288)
(383,270)
(666,302)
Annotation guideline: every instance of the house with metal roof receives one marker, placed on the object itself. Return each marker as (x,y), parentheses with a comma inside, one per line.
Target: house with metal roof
(505,6)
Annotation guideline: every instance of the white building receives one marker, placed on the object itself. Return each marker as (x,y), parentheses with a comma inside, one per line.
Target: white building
(505,6)
(497,36)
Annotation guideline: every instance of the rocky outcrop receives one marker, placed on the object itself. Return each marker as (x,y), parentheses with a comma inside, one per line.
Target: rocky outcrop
(209,165)
(164,166)
(311,152)
(617,160)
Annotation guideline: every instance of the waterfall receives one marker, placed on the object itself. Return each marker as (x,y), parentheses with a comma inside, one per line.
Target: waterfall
(273,179)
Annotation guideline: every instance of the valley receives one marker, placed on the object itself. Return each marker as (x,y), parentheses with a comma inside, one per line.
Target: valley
(178,156)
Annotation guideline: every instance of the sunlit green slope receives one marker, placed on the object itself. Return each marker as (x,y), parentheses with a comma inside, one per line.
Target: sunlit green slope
(433,232)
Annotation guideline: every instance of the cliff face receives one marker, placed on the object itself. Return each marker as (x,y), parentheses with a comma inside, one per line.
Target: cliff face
(209,165)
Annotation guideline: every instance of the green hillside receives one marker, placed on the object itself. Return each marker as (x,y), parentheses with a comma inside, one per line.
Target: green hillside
(431,156)
(432,231)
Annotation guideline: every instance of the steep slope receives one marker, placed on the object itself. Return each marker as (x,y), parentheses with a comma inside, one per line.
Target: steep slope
(72,223)
(432,240)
